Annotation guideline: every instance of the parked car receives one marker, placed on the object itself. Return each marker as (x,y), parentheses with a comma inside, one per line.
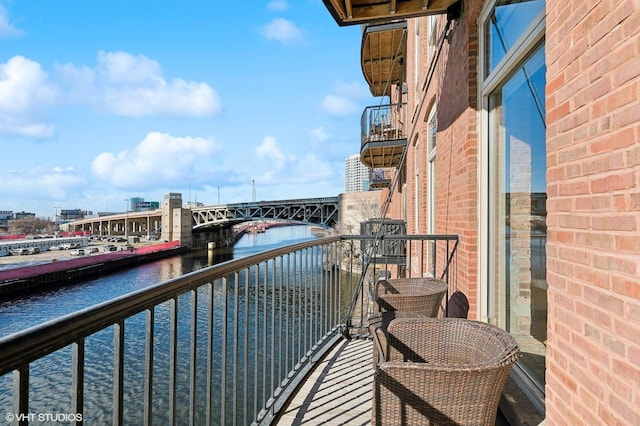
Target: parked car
(109,247)
(19,251)
(77,252)
(33,250)
(93,250)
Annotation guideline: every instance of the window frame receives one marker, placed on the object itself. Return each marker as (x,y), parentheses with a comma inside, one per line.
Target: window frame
(532,37)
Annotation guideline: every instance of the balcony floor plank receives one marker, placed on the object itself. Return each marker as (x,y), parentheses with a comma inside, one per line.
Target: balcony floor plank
(339,391)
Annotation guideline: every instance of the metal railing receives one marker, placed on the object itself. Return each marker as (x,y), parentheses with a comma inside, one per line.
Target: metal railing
(383,123)
(226,344)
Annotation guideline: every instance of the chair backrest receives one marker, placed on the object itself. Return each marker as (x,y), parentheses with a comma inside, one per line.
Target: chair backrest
(449,342)
(422,296)
(442,371)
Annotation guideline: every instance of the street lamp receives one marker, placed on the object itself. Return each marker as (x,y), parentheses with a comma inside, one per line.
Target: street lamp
(190,180)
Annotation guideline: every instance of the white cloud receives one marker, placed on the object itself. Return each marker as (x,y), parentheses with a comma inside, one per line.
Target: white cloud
(310,169)
(345,100)
(278,5)
(319,134)
(123,69)
(338,106)
(26,130)
(6,29)
(354,90)
(159,159)
(270,150)
(134,86)
(283,30)
(39,183)
(25,91)
(24,86)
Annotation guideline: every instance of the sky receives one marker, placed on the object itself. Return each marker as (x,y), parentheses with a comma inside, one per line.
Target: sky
(101,101)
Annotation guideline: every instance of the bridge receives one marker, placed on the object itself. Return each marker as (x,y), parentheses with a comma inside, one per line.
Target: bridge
(197,225)
(320,211)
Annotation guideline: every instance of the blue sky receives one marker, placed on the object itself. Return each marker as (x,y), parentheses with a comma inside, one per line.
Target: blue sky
(101,101)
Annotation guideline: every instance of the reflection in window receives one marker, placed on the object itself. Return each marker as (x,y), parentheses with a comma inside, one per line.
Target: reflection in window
(518,199)
(505,26)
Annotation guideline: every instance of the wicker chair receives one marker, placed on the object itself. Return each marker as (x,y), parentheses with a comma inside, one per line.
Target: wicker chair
(402,298)
(421,296)
(445,371)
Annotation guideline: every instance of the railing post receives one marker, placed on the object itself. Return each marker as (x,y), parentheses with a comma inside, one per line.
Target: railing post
(246,346)
(148,366)
(223,350)
(21,395)
(236,339)
(193,357)
(77,380)
(210,350)
(118,373)
(173,359)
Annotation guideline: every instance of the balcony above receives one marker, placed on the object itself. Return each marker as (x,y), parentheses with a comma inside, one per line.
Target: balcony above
(352,12)
(382,54)
(383,135)
(379,179)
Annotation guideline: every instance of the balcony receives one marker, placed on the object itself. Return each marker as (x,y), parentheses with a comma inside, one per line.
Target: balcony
(229,344)
(383,135)
(352,12)
(379,179)
(382,54)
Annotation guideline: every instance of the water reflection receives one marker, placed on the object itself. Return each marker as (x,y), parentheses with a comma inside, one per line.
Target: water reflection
(48,376)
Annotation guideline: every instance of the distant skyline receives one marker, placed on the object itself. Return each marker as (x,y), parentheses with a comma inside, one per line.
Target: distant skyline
(104,101)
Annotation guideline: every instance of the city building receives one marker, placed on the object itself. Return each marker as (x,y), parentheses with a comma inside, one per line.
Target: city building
(67,215)
(516,126)
(138,204)
(5,217)
(24,215)
(134,202)
(356,175)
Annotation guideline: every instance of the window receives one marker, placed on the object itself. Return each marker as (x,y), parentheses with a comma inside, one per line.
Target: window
(515,166)
(416,63)
(432,129)
(416,185)
(431,37)
(508,22)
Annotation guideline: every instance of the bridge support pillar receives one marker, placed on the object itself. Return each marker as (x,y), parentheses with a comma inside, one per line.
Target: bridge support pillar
(220,237)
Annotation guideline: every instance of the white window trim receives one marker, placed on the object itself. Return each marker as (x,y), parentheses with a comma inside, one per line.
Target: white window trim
(523,47)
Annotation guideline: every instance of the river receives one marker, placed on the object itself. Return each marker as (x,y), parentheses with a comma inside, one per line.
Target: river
(36,308)
(46,374)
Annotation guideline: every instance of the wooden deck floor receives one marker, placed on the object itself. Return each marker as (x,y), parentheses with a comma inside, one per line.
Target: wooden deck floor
(339,390)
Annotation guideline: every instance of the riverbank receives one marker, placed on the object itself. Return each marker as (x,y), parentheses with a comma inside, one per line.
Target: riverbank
(10,262)
(30,272)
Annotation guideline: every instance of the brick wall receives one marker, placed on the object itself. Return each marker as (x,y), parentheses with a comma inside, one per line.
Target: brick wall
(593,160)
(454,89)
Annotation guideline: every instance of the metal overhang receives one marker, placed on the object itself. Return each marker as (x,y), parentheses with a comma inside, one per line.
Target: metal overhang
(382,55)
(353,12)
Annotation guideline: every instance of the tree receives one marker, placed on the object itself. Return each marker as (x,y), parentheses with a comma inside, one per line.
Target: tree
(30,225)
